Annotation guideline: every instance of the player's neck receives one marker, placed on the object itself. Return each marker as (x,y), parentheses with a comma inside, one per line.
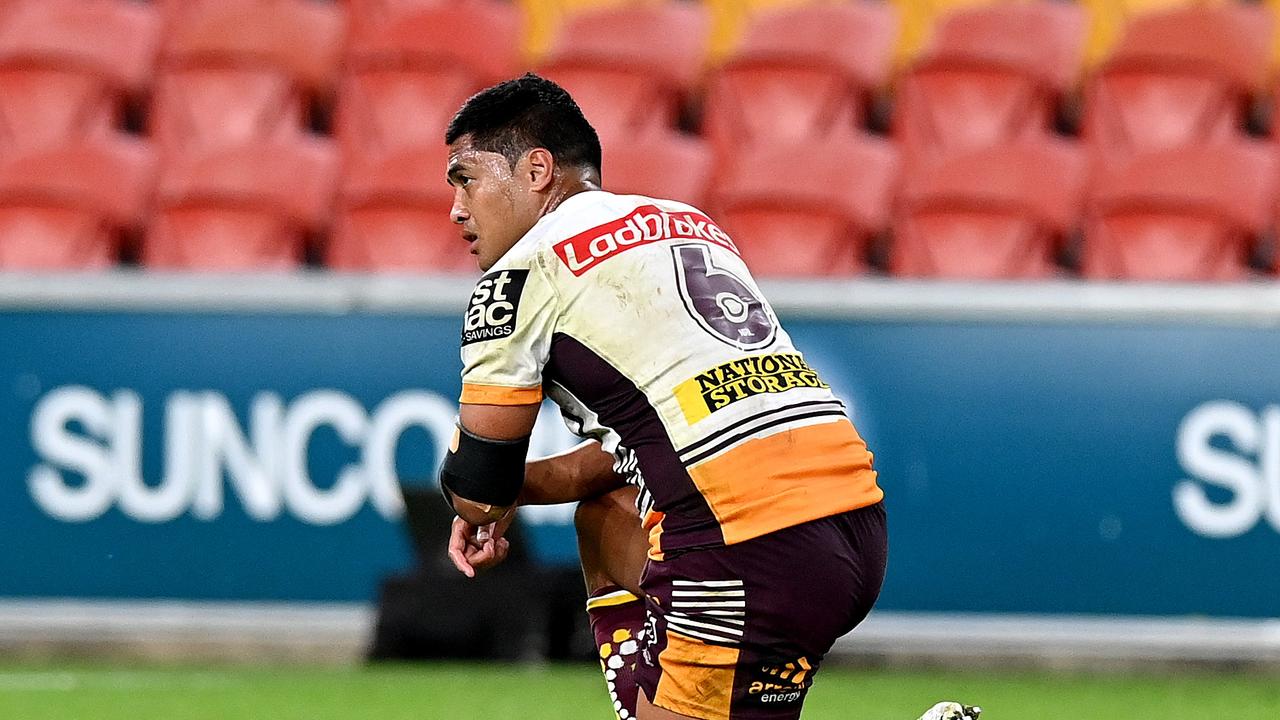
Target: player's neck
(567,187)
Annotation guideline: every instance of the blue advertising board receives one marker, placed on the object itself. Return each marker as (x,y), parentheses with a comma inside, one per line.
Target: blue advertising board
(1064,467)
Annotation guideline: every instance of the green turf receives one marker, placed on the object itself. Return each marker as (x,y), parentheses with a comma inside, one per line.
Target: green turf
(496,692)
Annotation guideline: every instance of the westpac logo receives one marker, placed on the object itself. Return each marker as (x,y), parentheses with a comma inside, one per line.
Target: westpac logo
(645,224)
(1229,448)
(494,304)
(90,448)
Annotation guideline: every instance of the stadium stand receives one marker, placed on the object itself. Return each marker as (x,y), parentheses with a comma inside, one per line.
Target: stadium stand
(248,207)
(801,73)
(919,18)
(666,165)
(68,67)
(1183,214)
(991,75)
(978,84)
(995,213)
(631,68)
(242,71)
(810,209)
(1180,77)
(403,81)
(393,215)
(71,207)
(1108,19)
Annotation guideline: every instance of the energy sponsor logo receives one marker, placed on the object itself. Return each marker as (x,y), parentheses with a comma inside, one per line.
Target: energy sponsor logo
(646,224)
(785,683)
(729,382)
(494,304)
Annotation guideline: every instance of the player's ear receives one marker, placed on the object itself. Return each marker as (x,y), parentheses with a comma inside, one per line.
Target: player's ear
(540,168)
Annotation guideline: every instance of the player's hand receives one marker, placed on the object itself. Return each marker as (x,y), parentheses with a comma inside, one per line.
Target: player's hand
(474,548)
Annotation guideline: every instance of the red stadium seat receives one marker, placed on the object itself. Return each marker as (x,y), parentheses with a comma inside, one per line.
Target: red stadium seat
(994,213)
(992,75)
(403,84)
(240,72)
(67,208)
(1184,214)
(1178,78)
(393,215)
(801,73)
(245,208)
(818,226)
(66,67)
(667,166)
(630,67)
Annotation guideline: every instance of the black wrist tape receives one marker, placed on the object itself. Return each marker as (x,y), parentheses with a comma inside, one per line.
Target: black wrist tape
(489,472)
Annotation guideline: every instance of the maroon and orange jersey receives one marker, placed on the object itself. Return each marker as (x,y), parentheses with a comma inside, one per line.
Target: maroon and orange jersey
(639,319)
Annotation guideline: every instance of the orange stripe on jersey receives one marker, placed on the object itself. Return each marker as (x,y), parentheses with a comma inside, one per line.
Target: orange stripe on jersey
(473,394)
(697,678)
(788,478)
(652,521)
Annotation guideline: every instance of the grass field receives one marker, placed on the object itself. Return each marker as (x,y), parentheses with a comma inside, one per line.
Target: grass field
(573,692)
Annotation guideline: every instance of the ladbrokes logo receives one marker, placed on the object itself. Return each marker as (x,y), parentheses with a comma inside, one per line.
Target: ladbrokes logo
(646,224)
(494,303)
(736,380)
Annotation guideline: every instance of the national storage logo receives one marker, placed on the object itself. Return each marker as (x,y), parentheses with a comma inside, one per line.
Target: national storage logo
(729,382)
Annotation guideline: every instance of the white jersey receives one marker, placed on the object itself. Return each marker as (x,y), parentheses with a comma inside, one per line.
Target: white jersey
(639,319)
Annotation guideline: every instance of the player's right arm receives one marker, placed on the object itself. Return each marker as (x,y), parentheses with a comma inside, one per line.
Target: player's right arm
(582,473)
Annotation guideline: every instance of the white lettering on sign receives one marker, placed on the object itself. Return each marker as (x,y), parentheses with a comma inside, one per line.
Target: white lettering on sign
(90,448)
(1226,446)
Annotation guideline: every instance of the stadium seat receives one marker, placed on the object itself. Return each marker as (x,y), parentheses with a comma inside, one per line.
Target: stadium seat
(991,75)
(403,84)
(393,216)
(1108,19)
(731,18)
(809,209)
(249,207)
(67,67)
(630,67)
(1184,214)
(667,166)
(68,208)
(801,73)
(242,72)
(996,213)
(1178,78)
(919,18)
(544,18)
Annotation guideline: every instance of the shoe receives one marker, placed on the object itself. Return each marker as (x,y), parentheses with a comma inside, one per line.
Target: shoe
(952,711)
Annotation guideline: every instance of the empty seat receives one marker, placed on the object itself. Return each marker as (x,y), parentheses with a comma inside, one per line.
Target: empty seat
(731,18)
(67,67)
(802,73)
(672,167)
(1108,19)
(820,226)
(630,68)
(240,72)
(919,18)
(992,75)
(250,207)
(1185,214)
(1178,78)
(543,19)
(1000,212)
(402,85)
(68,208)
(393,215)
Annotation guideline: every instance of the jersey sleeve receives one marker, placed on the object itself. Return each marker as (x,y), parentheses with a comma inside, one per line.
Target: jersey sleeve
(506,335)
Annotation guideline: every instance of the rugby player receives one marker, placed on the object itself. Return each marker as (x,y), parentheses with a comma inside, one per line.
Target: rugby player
(730,523)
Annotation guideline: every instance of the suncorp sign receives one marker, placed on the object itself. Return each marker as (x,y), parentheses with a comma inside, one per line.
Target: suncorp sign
(90,450)
(1226,446)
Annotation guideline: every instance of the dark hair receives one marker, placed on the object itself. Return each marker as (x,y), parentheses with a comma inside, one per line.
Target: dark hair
(528,112)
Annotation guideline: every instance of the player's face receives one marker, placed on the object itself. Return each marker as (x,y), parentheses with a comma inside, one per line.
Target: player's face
(491,204)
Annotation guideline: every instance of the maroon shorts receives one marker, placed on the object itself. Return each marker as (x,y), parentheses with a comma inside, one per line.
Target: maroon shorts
(739,631)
